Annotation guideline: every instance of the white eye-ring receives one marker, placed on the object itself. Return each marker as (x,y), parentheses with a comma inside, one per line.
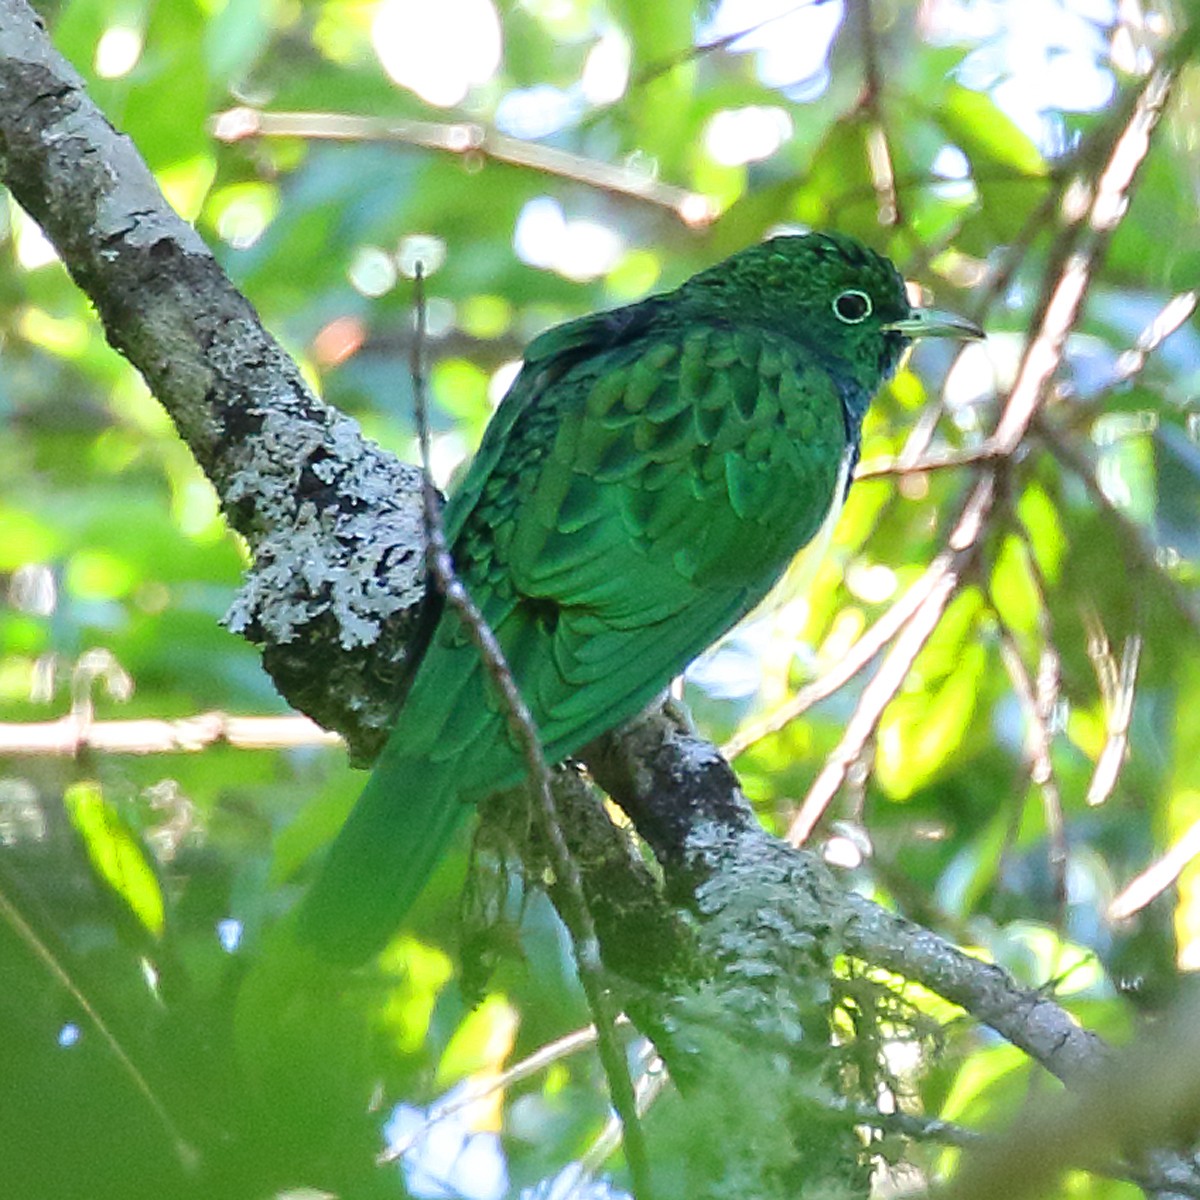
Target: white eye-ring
(852,306)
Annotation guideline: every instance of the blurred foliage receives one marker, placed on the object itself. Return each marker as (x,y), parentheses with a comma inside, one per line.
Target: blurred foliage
(136,891)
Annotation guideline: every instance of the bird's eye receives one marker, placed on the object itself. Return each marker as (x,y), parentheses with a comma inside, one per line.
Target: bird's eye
(852,306)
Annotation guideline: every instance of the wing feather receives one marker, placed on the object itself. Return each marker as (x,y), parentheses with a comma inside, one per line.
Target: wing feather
(630,515)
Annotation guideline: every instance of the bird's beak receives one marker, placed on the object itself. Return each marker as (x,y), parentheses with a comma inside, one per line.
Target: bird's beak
(930,322)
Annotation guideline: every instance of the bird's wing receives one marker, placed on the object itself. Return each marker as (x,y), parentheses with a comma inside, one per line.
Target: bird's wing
(673,494)
(695,459)
(547,358)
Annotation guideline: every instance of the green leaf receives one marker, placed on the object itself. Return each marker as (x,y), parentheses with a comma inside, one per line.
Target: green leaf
(986,134)
(116,854)
(25,538)
(924,727)
(838,191)
(1014,589)
(482,1042)
(1043,526)
(236,35)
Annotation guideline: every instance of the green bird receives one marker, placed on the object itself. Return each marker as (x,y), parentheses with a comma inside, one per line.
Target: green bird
(644,483)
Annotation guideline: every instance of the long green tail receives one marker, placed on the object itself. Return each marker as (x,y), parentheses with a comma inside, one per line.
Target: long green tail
(372,877)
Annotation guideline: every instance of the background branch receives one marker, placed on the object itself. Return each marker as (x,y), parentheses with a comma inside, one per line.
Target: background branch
(470,140)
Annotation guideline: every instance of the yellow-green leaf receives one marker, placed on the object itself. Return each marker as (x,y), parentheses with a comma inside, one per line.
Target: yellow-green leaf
(116,854)
(1014,588)
(421,972)
(924,726)
(987,135)
(482,1042)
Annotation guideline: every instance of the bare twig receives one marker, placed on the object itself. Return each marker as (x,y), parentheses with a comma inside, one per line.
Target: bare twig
(916,444)
(897,464)
(1157,877)
(1070,199)
(875,698)
(577,916)
(475,1091)
(1168,319)
(1118,697)
(1131,363)
(946,573)
(879,150)
(692,53)
(653,1078)
(1036,697)
(467,139)
(1038,694)
(69,736)
(916,1126)
(1109,201)
(849,665)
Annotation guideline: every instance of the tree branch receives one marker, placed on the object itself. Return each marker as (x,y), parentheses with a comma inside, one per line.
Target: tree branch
(334,523)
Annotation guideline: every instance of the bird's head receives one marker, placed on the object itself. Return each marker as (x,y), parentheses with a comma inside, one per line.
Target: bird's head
(845,303)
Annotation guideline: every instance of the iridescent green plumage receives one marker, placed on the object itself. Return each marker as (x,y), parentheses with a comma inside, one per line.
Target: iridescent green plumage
(642,486)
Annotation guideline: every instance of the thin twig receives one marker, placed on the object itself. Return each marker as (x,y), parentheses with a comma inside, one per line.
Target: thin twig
(1108,206)
(465,139)
(1132,361)
(916,1126)
(946,572)
(1118,699)
(921,435)
(1059,309)
(875,698)
(1165,322)
(1038,695)
(70,736)
(880,159)
(578,917)
(1071,198)
(897,464)
(849,665)
(669,63)
(1033,701)
(1157,877)
(185,1152)
(477,1090)
(651,1082)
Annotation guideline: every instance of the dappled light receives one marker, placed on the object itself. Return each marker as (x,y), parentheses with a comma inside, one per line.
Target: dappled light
(975,699)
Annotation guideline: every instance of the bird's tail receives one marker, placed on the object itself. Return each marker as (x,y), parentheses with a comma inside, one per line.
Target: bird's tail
(372,876)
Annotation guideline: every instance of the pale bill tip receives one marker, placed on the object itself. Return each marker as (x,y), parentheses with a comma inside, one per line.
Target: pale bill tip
(932,322)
